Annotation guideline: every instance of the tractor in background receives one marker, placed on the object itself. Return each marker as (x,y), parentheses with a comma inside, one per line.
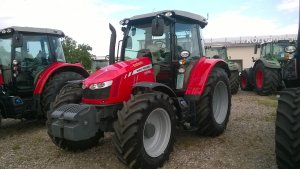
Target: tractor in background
(287,131)
(32,71)
(98,64)
(162,80)
(274,70)
(221,52)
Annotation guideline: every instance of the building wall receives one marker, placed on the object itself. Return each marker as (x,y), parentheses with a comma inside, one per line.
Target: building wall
(244,53)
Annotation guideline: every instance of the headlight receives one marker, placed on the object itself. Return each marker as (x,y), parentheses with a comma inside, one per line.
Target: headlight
(101,85)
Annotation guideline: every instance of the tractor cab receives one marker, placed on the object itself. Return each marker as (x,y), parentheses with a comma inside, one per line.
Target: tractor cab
(172,39)
(24,54)
(276,50)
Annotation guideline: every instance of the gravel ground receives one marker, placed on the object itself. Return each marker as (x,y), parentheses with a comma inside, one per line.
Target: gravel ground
(247,143)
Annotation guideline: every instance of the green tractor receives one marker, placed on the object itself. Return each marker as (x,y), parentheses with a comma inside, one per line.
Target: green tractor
(221,52)
(274,70)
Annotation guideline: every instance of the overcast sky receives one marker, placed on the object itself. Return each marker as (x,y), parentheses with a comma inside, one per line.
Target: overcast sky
(86,21)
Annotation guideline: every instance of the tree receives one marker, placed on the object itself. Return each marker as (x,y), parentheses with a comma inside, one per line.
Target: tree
(77,53)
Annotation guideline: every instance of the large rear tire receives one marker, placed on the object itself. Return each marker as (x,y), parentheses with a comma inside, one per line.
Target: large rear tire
(53,86)
(287,133)
(213,108)
(245,81)
(70,93)
(145,130)
(234,82)
(266,80)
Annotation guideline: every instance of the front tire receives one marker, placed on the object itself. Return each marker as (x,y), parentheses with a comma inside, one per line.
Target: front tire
(70,93)
(53,86)
(234,82)
(266,80)
(145,130)
(287,132)
(213,109)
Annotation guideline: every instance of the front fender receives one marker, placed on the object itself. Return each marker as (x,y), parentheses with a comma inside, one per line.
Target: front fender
(57,66)
(273,64)
(200,75)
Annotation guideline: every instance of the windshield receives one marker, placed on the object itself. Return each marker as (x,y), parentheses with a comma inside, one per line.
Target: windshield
(140,42)
(5,51)
(216,53)
(278,49)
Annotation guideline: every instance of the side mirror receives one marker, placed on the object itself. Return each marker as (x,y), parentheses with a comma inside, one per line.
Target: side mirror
(255,49)
(158,26)
(129,42)
(18,40)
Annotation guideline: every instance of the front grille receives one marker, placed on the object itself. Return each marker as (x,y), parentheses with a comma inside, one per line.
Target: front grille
(96,94)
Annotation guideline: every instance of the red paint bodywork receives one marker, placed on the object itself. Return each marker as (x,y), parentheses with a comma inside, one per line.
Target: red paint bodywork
(121,75)
(44,76)
(199,75)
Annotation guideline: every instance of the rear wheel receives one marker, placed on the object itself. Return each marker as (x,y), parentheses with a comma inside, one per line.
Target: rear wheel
(145,130)
(213,109)
(266,80)
(245,81)
(53,87)
(287,133)
(70,93)
(234,82)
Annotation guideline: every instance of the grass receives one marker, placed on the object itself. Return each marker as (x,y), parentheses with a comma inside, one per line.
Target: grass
(270,101)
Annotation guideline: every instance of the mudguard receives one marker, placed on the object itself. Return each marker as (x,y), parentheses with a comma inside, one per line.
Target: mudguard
(274,64)
(200,75)
(157,87)
(57,66)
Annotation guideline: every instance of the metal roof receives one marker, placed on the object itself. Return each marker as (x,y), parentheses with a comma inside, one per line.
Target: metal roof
(36,30)
(177,13)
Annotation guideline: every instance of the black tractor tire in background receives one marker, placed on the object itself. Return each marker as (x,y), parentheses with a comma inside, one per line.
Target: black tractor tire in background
(268,81)
(234,81)
(245,81)
(287,132)
(54,85)
(70,93)
(131,130)
(215,101)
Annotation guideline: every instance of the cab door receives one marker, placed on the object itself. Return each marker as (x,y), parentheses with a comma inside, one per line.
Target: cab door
(31,59)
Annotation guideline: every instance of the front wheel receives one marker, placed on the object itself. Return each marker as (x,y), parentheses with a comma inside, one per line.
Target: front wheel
(266,80)
(213,108)
(145,130)
(287,132)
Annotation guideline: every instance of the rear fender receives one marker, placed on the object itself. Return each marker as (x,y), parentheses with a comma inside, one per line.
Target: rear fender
(200,75)
(57,67)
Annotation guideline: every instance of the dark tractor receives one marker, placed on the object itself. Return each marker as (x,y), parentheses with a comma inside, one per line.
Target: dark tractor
(221,52)
(161,81)
(274,70)
(287,131)
(98,64)
(32,71)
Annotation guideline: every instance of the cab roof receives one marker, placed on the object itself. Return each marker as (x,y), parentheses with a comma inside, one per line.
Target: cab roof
(188,16)
(34,30)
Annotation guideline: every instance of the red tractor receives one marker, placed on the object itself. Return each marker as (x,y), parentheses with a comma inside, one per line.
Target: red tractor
(162,81)
(32,71)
